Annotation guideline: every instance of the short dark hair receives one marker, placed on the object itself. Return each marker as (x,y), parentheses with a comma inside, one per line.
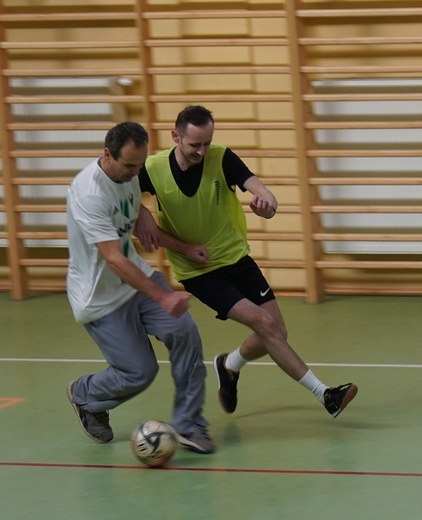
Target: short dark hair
(120,134)
(195,115)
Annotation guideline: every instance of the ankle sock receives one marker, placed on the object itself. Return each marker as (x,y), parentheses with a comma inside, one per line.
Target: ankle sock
(235,361)
(314,385)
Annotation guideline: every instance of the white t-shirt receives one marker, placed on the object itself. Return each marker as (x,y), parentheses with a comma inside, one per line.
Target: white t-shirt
(99,210)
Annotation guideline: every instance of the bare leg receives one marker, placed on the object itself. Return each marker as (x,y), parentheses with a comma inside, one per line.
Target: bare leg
(253,347)
(270,336)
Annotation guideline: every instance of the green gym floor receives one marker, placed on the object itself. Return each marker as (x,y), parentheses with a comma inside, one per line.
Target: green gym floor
(280,455)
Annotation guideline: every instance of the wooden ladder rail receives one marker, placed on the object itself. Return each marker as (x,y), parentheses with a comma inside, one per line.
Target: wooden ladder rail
(15,247)
(313,151)
(356,12)
(149,43)
(151,70)
(309,195)
(19,262)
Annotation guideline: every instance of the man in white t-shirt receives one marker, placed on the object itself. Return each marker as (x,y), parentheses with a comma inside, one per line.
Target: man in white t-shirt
(121,300)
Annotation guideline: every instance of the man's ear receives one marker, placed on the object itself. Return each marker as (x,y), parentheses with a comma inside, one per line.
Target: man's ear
(175,136)
(106,153)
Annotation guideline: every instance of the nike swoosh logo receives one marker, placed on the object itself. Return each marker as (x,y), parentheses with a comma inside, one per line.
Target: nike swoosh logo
(263,293)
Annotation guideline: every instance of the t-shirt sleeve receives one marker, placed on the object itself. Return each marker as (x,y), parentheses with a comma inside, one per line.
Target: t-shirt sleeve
(235,170)
(145,182)
(92,214)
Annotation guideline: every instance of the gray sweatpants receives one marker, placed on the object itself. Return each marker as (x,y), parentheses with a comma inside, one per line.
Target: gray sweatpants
(122,337)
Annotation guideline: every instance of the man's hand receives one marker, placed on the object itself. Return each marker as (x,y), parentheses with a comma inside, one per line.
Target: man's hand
(146,230)
(175,303)
(197,253)
(262,207)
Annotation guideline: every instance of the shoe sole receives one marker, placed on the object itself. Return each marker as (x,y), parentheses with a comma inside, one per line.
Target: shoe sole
(349,396)
(219,387)
(189,445)
(76,410)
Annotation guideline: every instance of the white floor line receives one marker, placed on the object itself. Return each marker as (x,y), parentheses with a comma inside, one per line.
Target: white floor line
(256,363)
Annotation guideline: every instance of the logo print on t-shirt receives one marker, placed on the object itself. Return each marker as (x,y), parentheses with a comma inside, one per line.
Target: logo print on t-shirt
(217,191)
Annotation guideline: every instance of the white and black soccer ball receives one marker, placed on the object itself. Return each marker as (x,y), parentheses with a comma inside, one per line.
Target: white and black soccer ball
(154,442)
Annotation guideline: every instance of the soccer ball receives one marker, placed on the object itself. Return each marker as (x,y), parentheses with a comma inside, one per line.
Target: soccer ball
(154,442)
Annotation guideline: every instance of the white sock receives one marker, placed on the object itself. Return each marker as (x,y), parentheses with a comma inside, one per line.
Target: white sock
(235,361)
(313,384)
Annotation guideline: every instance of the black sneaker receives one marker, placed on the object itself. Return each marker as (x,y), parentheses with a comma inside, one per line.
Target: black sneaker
(199,442)
(227,384)
(336,399)
(95,425)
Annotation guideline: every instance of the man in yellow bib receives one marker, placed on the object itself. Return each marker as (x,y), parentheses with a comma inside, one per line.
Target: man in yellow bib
(203,228)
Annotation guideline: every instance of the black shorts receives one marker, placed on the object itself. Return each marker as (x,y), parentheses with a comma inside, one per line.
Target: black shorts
(223,288)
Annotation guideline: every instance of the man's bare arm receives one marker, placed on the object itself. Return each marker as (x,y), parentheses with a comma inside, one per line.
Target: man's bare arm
(175,303)
(264,203)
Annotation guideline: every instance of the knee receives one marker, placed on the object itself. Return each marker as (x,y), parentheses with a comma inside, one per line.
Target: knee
(267,323)
(183,328)
(270,325)
(184,340)
(139,379)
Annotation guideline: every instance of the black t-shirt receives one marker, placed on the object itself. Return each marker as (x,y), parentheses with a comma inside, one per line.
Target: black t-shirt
(235,171)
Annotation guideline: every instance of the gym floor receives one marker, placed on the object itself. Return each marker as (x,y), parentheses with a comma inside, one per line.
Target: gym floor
(280,455)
